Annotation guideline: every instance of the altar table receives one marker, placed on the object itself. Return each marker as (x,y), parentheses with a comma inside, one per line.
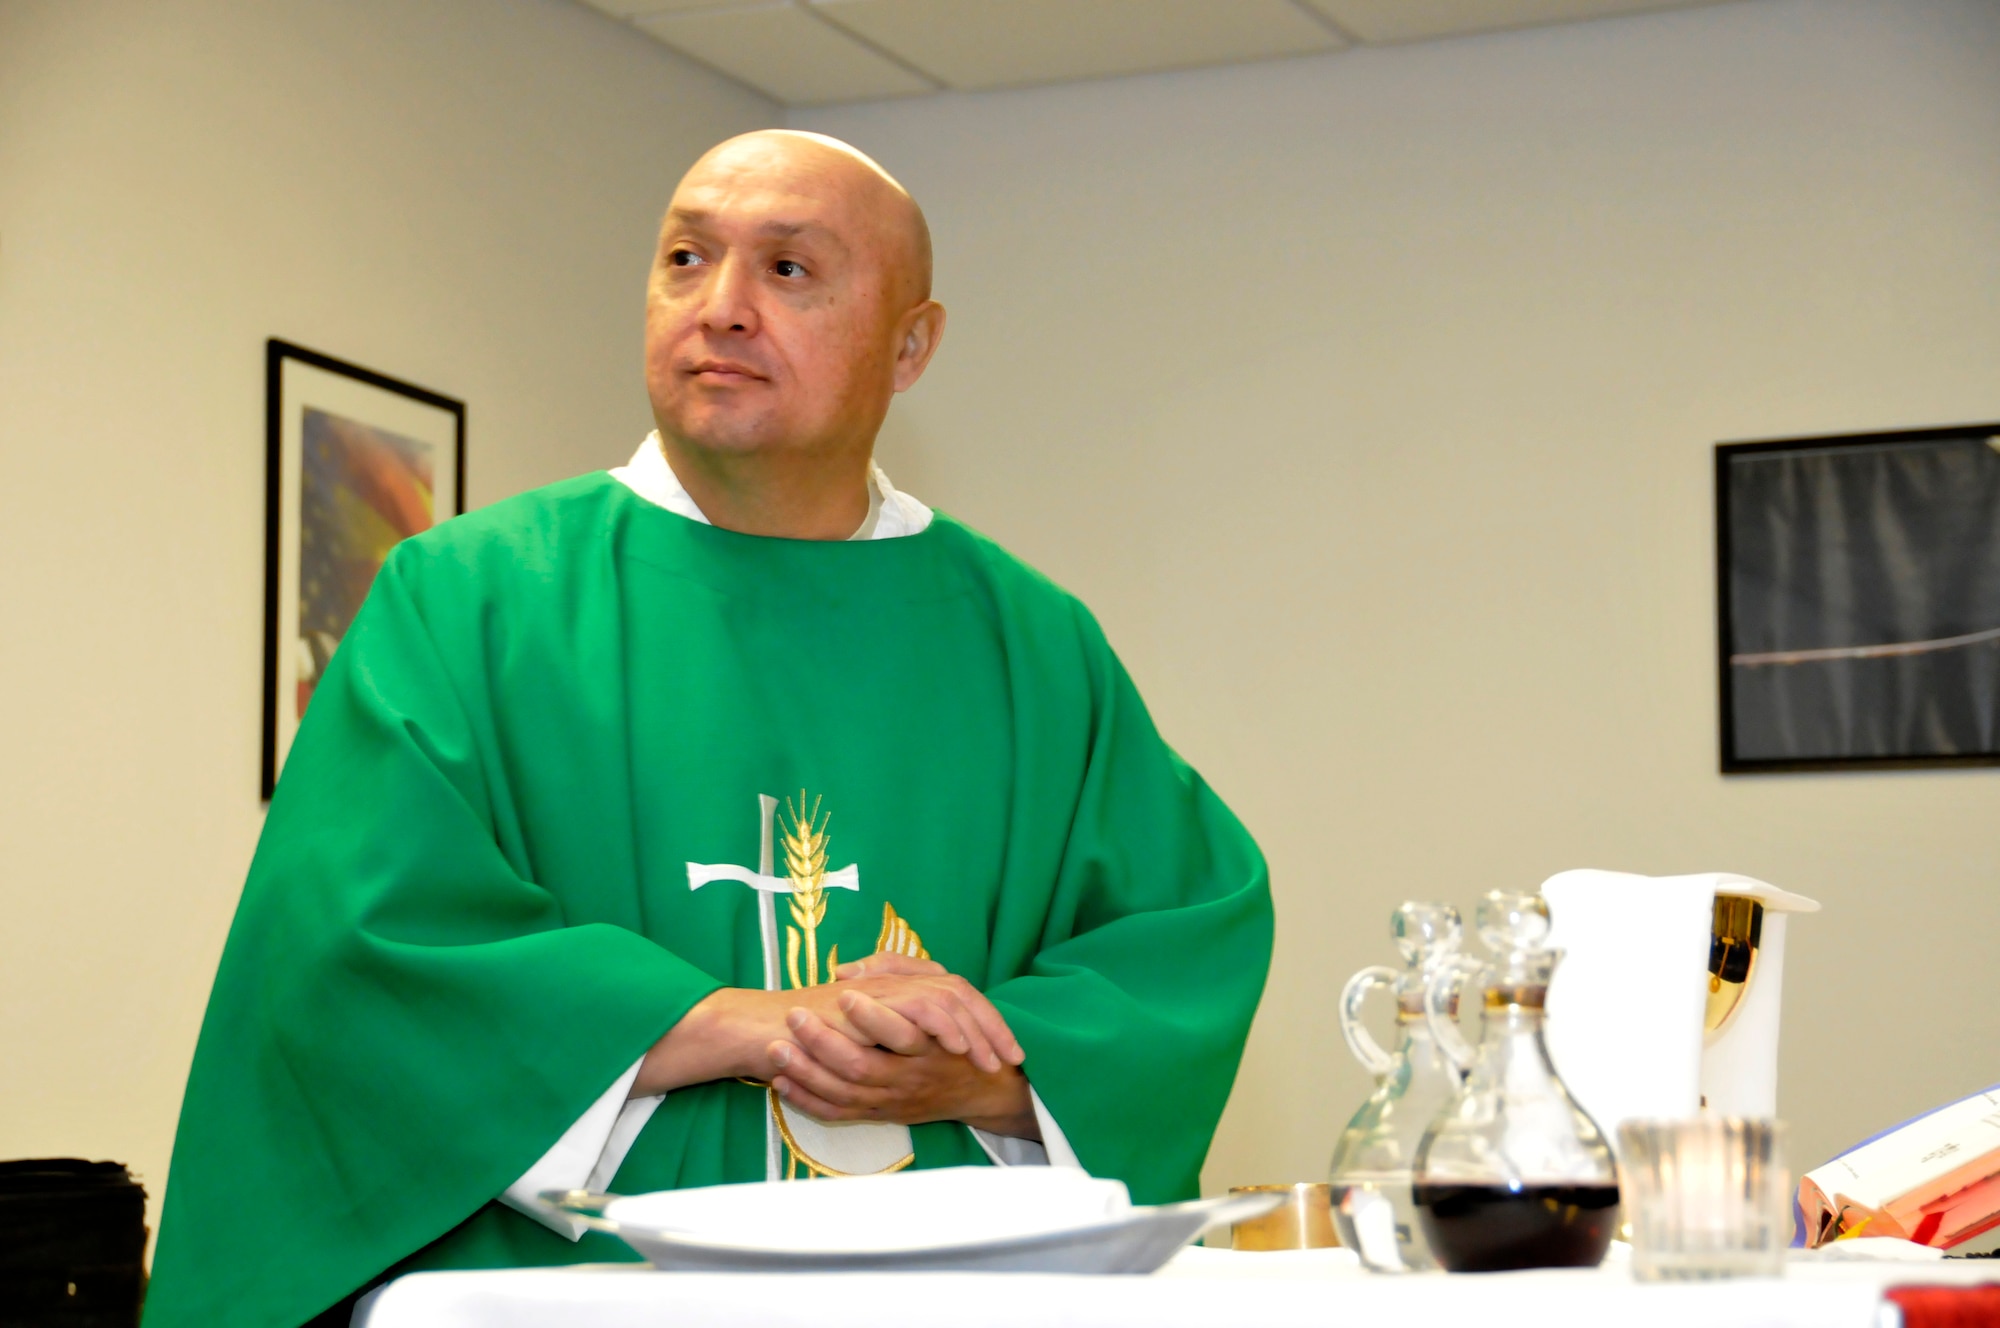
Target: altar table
(1200,1289)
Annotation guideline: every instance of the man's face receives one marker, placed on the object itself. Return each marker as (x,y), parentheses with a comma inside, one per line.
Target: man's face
(776,304)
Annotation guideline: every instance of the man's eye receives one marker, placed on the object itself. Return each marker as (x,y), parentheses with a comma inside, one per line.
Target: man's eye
(683,258)
(785,267)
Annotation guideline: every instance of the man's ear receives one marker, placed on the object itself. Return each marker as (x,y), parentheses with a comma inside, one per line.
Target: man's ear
(922,330)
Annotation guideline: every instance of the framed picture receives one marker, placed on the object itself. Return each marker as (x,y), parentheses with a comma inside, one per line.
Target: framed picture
(1858,597)
(357,461)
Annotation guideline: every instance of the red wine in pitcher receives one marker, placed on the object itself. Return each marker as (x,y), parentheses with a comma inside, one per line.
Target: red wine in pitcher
(1489,1228)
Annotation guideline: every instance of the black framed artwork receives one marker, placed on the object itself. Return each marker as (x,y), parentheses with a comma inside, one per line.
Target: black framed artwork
(1858,599)
(356,461)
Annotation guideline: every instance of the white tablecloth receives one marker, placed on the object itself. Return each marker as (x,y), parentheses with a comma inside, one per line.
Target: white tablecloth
(1201,1289)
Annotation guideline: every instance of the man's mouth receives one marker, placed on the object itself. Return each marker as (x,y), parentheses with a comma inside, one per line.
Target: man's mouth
(724,371)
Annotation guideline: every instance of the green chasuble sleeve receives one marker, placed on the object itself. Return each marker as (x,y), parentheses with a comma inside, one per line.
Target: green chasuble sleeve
(1131,990)
(510,848)
(402,1021)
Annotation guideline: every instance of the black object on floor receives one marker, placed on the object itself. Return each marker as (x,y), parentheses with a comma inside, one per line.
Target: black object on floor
(72,1244)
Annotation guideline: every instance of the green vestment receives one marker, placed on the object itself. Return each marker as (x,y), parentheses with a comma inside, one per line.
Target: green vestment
(470,910)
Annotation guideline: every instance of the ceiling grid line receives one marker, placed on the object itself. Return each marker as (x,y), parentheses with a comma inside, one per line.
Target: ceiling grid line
(632,14)
(1327,21)
(819,12)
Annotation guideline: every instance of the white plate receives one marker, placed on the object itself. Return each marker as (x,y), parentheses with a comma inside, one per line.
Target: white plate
(1138,1240)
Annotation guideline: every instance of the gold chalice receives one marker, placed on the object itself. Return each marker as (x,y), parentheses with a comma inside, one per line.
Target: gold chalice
(1736,932)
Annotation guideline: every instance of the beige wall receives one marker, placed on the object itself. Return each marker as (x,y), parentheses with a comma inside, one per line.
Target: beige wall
(462,194)
(1370,400)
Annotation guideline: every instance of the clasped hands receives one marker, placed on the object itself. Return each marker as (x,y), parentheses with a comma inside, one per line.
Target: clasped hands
(890,1039)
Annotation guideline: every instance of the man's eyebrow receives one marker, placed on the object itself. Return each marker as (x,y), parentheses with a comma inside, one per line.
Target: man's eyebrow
(777,230)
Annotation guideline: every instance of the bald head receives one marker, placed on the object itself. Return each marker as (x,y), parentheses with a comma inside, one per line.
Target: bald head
(789,303)
(874,201)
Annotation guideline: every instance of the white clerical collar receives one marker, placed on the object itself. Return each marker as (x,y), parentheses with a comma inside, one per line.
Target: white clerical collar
(891,512)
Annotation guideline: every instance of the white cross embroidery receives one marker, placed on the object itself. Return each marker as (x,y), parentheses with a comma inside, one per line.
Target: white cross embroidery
(767,885)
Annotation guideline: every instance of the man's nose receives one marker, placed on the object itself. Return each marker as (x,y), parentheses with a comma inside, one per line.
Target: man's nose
(731,304)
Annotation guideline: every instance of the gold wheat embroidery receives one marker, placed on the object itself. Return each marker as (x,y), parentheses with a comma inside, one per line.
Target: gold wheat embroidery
(899,937)
(805,840)
(803,834)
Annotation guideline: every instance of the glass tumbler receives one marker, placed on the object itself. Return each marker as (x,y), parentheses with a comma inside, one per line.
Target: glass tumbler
(1708,1197)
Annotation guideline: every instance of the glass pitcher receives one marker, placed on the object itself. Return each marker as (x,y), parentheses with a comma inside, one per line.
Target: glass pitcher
(1512,1173)
(1372,1205)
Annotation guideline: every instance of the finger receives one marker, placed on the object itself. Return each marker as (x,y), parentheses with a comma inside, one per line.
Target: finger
(814,1105)
(887,1028)
(833,1019)
(994,1026)
(826,1009)
(884,964)
(933,1016)
(975,1029)
(797,1066)
(979,1047)
(977,1021)
(834,1050)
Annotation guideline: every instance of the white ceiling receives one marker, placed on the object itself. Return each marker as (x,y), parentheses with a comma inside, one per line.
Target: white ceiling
(812,52)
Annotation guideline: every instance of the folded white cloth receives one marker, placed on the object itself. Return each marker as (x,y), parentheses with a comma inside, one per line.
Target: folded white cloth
(902,1210)
(1263,1265)
(1810,1295)
(1868,1249)
(1627,1002)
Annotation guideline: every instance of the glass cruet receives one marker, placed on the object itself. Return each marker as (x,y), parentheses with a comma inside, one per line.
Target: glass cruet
(1512,1173)
(1372,1206)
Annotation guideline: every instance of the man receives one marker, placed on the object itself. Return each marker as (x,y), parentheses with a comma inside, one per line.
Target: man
(503,933)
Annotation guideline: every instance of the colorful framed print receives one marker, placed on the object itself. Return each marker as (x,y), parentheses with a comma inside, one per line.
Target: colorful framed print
(357,462)
(1858,599)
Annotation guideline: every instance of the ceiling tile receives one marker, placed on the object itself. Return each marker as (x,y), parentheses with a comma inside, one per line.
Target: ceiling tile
(784,51)
(1412,20)
(996,43)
